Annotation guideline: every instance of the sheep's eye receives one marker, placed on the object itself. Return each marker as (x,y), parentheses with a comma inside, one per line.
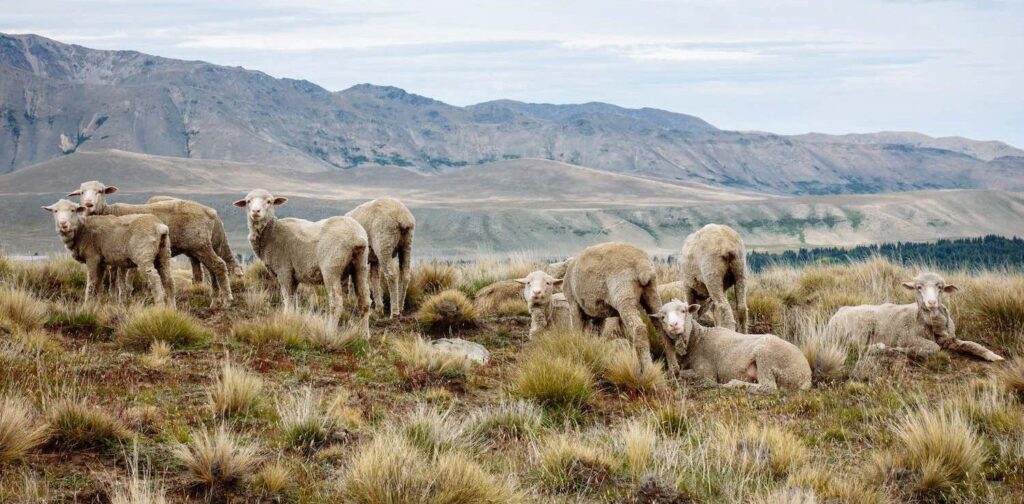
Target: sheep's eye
(919,287)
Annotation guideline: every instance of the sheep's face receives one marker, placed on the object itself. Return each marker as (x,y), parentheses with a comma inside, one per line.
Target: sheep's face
(92,195)
(930,288)
(259,205)
(538,287)
(67,216)
(674,318)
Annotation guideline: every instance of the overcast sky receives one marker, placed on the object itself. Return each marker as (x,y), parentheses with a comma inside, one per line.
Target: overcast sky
(938,67)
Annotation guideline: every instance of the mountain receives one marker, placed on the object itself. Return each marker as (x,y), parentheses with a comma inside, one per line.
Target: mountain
(57,99)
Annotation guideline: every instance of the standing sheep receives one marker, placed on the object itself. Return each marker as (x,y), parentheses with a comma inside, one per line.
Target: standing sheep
(755,362)
(297,251)
(712,260)
(614,280)
(916,329)
(102,242)
(190,224)
(538,288)
(389,227)
(220,244)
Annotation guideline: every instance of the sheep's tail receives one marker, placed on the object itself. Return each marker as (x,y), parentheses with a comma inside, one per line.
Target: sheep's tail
(163,255)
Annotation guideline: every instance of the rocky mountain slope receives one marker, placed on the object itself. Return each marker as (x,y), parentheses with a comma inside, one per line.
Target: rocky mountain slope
(57,99)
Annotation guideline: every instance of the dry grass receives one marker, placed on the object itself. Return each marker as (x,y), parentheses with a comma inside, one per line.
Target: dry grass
(446,311)
(1011,375)
(554,381)
(573,345)
(235,392)
(138,488)
(306,420)
(624,371)
(760,448)
(419,361)
(159,355)
(21,310)
(217,458)
(505,421)
(75,424)
(825,353)
(21,430)
(275,479)
(429,279)
(569,464)
(161,323)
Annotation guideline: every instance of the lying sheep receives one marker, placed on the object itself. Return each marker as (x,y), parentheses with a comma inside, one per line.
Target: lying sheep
(297,251)
(916,329)
(538,288)
(713,259)
(614,280)
(390,227)
(131,241)
(498,293)
(755,362)
(220,244)
(191,228)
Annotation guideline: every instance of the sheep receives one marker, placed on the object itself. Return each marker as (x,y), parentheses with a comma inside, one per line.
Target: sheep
(538,288)
(712,260)
(390,227)
(297,251)
(491,297)
(916,329)
(191,225)
(762,363)
(101,241)
(614,280)
(220,244)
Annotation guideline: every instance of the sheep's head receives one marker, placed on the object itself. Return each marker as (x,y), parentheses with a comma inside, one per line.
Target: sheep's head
(930,288)
(67,216)
(259,205)
(538,287)
(92,195)
(675,317)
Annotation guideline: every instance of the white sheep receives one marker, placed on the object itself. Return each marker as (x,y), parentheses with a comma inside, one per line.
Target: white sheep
(755,362)
(297,251)
(102,242)
(538,288)
(916,329)
(390,227)
(220,244)
(712,260)
(614,280)
(191,227)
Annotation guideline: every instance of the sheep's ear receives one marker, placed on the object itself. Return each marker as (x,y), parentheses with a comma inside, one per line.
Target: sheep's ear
(80,209)
(110,190)
(910,285)
(692,309)
(280,200)
(655,316)
(241,203)
(950,289)
(75,193)
(523,280)
(557,282)
(50,208)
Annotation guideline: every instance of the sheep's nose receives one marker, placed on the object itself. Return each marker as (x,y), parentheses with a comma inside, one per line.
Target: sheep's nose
(88,204)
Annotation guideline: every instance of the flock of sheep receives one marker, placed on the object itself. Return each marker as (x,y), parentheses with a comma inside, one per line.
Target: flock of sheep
(611,284)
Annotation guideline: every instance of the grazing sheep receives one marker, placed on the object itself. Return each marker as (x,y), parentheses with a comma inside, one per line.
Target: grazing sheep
(614,280)
(755,362)
(390,227)
(220,244)
(191,225)
(297,251)
(916,329)
(102,241)
(712,260)
(538,288)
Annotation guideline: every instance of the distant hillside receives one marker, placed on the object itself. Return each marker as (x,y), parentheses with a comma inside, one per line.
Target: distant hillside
(57,99)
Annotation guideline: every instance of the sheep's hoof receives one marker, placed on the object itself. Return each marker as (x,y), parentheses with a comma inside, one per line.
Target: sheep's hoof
(994,357)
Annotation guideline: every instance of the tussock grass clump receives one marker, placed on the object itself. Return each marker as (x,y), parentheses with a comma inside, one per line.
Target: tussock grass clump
(623,371)
(80,321)
(760,448)
(62,276)
(21,310)
(672,418)
(446,311)
(306,420)
(574,345)
(636,443)
(161,323)
(823,349)
(429,279)
(269,332)
(274,479)
(138,488)
(420,363)
(989,308)
(236,392)
(159,355)
(258,276)
(1011,376)
(569,464)
(765,312)
(553,381)
(505,421)
(257,298)
(988,407)
(74,424)
(21,430)
(431,431)
(217,458)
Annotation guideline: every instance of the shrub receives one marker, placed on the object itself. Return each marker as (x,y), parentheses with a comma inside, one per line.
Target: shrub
(77,425)
(625,372)
(20,429)
(306,420)
(19,309)
(569,464)
(446,311)
(553,380)
(236,392)
(505,421)
(217,458)
(161,323)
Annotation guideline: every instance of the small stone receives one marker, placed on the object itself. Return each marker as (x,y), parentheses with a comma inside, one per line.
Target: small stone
(457,346)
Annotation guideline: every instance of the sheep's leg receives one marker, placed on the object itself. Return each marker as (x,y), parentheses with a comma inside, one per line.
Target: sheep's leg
(404,270)
(209,258)
(574,314)
(670,352)
(197,270)
(971,348)
(633,323)
(153,279)
(360,272)
(375,292)
(286,281)
(394,278)
(94,275)
(723,312)
(756,388)
(740,288)
(332,280)
(538,321)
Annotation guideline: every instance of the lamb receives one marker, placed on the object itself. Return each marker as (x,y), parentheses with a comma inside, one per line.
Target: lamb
(614,280)
(538,288)
(712,260)
(761,363)
(191,226)
(101,241)
(324,252)
(390,227)
(220,244)
(916,329)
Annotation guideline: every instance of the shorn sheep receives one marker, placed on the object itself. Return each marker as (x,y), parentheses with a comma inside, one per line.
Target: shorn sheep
(220,244)
(191,227)
(324,252)
(712,260)
(614,280)
(916,329)
(761,363)
(101,242)
(390,227)
(538,288)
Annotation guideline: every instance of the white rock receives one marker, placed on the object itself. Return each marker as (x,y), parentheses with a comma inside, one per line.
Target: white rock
(457,346)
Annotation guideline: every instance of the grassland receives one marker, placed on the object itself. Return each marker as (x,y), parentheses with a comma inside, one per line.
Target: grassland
(120,402)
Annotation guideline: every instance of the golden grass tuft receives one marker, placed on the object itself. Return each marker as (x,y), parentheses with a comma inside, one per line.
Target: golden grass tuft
(1011,376)
(446,311)
(306,420)
(573,345)
(429,279)
(553,380)
(637,441)
(623,370)
(159,355)
(21,310)
(505,421)
(74,424)
(236,392)
(824,351)
(21,430)
(569,464)
(217,458)
(138,488)
(161,323)
(760,448)
(274,479)
(431,431)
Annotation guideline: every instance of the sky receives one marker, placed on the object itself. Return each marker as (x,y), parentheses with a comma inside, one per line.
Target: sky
(940,67)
